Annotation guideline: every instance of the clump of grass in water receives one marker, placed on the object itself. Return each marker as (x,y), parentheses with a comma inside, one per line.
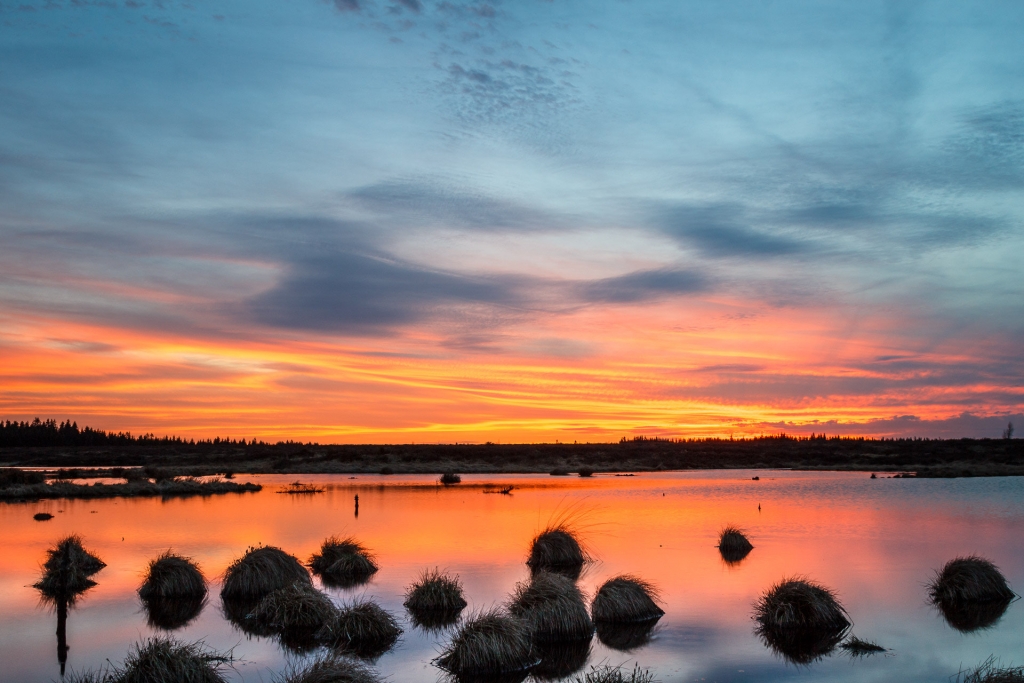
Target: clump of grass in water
(489,644)
(295,613)
(330,669)
(971,593)
(989,672)
(557,549)
(436,599)
(625,599)
(42,516)
(343,562)
(856,647)
(614,674)
(800,620)
(363,628)
(173,576)
(552,605)
(67,569)
(450,478)
(733,545)
(261,571)
(162,660)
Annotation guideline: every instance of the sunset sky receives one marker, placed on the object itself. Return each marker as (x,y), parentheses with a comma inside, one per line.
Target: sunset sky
(412,220)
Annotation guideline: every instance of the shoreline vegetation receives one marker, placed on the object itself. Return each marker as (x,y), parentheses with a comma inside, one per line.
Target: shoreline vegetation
(177,487)
(63,446)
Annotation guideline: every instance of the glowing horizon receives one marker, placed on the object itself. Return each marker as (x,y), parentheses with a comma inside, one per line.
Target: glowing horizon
(384,222)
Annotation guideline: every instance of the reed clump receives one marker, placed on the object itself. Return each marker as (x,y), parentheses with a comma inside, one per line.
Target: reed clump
(553,607)
(162,660)
(364,628)
(331,669)
(800,619)
(436,599)
(971,593)
(733,544)
(625,599)
(42,516)
(173,576)
(67,569)
(296,613)
(856,647)
(449,478)
(489,644)
(615,674)
(261,571)
(557,549)
(990,672)
(343,562)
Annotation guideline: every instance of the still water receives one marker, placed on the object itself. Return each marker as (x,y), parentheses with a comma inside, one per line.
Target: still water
(876,542)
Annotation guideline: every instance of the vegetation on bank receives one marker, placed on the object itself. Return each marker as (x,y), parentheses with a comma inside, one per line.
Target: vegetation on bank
(167,488)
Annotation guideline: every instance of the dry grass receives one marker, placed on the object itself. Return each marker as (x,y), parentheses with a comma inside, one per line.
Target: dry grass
(557,549)
(491,643)
(364,629)
(625,637)
(343,562)
(553,607)
(165,488)
(625,599)
(295,613)
(855,647)
(67,569)
(162,660)
(173,576)
(733,545)
(971,593)
(331,669)
(989,672)
(800,620)
(435,600)
(261,571)
(614,674)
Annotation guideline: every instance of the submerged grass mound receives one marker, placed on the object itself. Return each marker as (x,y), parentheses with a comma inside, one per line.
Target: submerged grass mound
(989,672)
(296,613)
(557,549)
(261,571)
(801,620)
(625,599)
(436,599)
(343,562)
(173,576)
(67,569)
(733,545)
(614,674)
(489,644)
(625,637)
(364,628)
(449,478)
(855,647)
(331,669)
(552,605)
(971,593)
(162,660)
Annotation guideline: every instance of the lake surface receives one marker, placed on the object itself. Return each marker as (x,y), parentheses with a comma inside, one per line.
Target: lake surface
(876,542)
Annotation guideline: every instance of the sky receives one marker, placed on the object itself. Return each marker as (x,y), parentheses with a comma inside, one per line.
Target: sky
(383,221)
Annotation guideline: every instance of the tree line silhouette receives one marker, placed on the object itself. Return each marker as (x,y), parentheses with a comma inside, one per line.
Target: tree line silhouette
(38,432)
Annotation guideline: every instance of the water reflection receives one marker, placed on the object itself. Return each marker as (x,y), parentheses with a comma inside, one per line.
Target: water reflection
(626,637)
(561,660)
(977,616)
(171,614)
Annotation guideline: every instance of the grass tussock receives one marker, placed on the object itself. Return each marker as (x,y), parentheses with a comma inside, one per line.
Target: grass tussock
(67,569)
(449,478)
(364,629)
(42,516)
(162,660)
(855,647)
(295,613)
(261,571)
(625,637)
(553,607)
(971,593)
(801,620)
(557,549)
(489,644)
(173,576)
(614,674)
(560,660)
(436,599)
(626,599)
(343,562)
(991,672)
(733,545)
(331,669)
